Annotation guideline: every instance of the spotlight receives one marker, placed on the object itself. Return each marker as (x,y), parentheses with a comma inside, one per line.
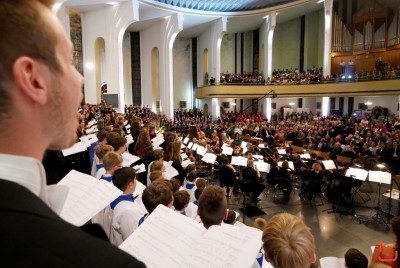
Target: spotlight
(343,77)
(349,76)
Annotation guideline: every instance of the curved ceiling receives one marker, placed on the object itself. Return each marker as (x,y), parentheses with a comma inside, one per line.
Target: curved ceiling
(224,5)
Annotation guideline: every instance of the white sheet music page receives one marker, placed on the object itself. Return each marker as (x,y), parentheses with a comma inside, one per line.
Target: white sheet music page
(186,163)
(239,161)
(164,239)
(169,172)
(209,158)
(74,149)
(129,159)
(226,246)
(329,164)
(227,150)
(86,197)
(332,262)
(262,166)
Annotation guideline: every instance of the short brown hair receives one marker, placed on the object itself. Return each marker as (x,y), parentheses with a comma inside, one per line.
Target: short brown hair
(212,206)
(181,199)
(288,242)
(18,20)
(101,150)
(155,194)
(123,176)
(111,159)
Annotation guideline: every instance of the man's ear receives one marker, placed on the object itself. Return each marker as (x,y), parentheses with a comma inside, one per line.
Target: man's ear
(30,77)
(314,259)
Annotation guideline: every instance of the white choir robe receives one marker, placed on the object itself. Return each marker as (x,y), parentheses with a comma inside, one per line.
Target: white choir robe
(104,219)
(125,220)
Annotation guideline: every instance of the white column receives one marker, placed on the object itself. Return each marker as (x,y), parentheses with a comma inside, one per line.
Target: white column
(267,108)
(327,37)
(110,23)
(218,29)
(270,23)
(325,106)
(170,28)
(215,110)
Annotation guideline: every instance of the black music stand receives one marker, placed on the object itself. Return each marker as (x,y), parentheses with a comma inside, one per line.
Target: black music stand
(380,178)
(356,174)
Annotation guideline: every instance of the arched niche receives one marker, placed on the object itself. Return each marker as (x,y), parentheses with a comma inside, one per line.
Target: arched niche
(205,109)
(206,75)
(155,79)
(100,67)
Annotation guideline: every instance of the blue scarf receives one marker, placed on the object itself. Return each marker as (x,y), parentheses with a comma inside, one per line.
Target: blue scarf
(99,166)
(124,197)
(106,177)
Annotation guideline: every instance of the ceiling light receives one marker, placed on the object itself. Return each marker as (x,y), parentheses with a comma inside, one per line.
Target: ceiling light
(112,3)
(291,103)
(368,103)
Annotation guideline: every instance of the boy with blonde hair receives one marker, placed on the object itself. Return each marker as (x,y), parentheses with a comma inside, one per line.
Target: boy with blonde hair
(101,151)
(288,242)
(111,161)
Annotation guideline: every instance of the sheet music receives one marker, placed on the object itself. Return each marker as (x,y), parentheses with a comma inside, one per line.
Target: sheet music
(291,165)
(332,262)
(140,168)
(224,145)
(239,161)
(190,145)
(164,239)
(329,164)
(243,144)
(201,150)
(186,163)
(261,145)
(129,159)
(129,139)
(91,130)
(227,150)
(209,158)
(86,197)
(89,139)
(226,246)
(184,156)
(281,151)
(186,140)
(305,156)
(263,166)
(257,156)
(380,177)
(159,139)
(91,123)
(139,188)
(74,149)
(357,173)
(169,172)
(157,244)
(194,147)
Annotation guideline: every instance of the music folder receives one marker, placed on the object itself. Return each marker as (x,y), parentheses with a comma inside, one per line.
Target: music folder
(239,161)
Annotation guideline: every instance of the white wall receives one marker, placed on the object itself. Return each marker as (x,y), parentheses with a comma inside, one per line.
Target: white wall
(228,53)
(248,52)
(126,56)
(314,39)
(286,45)
(183,82)
(149,39)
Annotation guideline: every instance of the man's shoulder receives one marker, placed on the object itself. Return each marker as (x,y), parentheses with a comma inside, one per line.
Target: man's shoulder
(29,226)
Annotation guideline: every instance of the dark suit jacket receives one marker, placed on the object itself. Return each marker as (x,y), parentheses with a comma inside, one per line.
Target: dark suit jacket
(32,235)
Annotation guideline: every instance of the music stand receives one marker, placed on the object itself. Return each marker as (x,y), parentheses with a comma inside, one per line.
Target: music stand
(357,174)
(379,177)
